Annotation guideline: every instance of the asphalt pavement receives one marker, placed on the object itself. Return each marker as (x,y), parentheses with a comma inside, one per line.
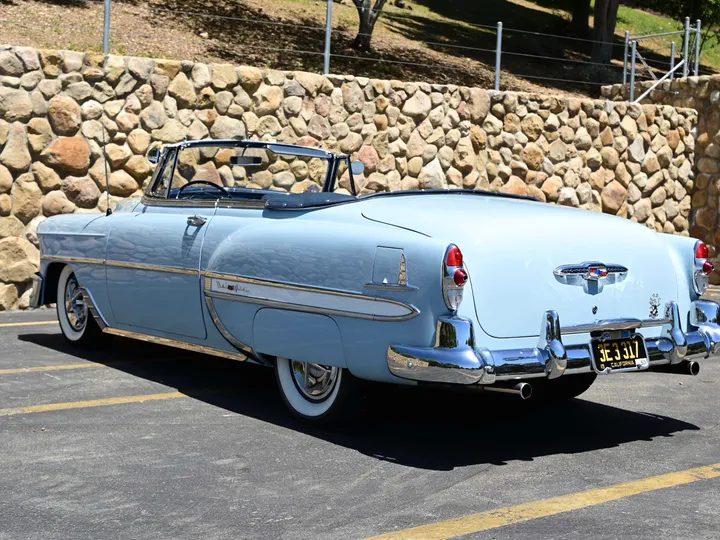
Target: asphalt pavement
(141,441)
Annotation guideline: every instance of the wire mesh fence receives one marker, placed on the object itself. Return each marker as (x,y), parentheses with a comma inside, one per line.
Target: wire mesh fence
(318,36)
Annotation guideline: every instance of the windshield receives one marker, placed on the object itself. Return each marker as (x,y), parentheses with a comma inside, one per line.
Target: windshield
(202,172)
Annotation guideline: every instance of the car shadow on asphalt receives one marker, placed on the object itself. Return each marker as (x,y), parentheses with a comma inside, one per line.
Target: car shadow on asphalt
(424,428)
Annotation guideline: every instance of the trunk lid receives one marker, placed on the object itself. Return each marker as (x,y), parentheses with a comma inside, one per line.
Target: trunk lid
(512,247)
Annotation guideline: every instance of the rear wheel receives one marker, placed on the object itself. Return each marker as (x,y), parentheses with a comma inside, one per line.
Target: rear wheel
(568,386)
(313,392)
(76,322)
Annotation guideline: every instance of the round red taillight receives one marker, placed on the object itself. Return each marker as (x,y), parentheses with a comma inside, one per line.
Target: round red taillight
(460,277)
(708,268)
(454,257)
(702,251)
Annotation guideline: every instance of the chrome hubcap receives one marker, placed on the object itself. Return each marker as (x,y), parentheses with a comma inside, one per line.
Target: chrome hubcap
(75,306)
(315,382)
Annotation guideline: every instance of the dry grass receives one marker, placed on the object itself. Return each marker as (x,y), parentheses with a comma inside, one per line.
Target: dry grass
(437,40)
(173,29)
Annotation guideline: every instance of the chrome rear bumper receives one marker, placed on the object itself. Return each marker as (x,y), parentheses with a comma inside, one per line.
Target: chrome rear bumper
(455,359)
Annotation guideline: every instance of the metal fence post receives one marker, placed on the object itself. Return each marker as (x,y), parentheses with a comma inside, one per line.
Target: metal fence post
(498,55)
(328,37)
(106,28)
(672,59)
(632,71)
(625,55)
(697,48)
(686,47)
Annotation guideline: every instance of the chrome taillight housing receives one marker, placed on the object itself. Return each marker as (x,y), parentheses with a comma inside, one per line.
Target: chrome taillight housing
(454,277)
(702,268)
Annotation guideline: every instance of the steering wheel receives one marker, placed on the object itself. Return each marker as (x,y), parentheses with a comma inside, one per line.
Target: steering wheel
(204,182)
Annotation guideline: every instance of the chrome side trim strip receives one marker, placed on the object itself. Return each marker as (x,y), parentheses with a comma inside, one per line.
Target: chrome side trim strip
(121,264)
(223,329)
(308,299)
(90,235)
(394,287)
(72,260)
(174,343)
(151,267)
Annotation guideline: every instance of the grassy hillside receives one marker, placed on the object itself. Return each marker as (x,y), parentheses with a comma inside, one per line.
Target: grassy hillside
(432,40)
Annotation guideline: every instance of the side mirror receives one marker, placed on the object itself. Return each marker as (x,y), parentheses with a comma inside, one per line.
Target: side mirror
(154,155)
(357,167)
(246,161)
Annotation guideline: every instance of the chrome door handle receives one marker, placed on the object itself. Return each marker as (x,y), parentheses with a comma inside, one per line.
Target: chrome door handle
(196,221)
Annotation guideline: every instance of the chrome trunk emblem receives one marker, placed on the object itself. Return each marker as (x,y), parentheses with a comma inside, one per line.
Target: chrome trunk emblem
(590,275)
(590,270)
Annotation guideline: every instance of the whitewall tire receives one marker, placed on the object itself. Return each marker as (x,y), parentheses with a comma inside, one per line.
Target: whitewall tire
(313,392)
(76,322)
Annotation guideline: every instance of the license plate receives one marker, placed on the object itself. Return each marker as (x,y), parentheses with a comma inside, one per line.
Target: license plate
(624,353)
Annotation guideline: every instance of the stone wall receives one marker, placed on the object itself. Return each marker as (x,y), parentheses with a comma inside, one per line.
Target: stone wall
(57,107)
(703,95)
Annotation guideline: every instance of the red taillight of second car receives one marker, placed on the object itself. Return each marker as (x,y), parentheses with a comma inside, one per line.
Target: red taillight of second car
(460,277)
(702,268)
(454,277)
(454,257)
(702,251)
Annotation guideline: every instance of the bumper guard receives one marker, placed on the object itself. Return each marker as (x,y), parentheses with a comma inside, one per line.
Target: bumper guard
(454,358)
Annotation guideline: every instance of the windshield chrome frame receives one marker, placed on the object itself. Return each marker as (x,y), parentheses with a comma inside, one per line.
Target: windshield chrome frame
(172,151)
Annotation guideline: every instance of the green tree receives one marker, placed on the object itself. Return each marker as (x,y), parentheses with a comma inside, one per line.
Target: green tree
(708,11)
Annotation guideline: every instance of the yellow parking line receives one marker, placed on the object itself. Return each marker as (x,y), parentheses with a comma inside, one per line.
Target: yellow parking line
(30,323)
(549,507)
(91,403)
(11,371)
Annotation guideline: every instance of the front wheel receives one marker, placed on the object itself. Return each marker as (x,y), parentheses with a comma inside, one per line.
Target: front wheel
(313,392)
(76,323)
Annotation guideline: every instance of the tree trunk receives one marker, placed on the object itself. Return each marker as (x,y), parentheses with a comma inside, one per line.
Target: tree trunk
(580,24)
(368,17)
(604,29)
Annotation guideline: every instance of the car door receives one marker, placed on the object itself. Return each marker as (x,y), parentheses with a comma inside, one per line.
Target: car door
(153,263)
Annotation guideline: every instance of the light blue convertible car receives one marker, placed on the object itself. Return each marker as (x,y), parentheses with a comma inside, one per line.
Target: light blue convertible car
(450,288)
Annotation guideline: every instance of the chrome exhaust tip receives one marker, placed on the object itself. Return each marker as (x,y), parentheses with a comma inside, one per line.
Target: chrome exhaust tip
(686,367)
(523,390)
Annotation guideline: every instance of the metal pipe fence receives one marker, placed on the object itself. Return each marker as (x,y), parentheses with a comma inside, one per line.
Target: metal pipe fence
(634,64)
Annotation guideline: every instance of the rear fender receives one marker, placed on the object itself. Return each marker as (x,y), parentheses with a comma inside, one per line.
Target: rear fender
(682,253)
(318,257)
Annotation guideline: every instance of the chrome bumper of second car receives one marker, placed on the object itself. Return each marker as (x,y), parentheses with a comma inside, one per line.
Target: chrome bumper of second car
(454,358)
(37,290)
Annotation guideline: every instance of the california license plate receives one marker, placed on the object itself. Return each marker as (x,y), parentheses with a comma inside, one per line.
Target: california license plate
(624,353)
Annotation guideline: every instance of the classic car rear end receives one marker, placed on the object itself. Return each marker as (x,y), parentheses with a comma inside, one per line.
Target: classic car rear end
(475,290)
(557,292)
